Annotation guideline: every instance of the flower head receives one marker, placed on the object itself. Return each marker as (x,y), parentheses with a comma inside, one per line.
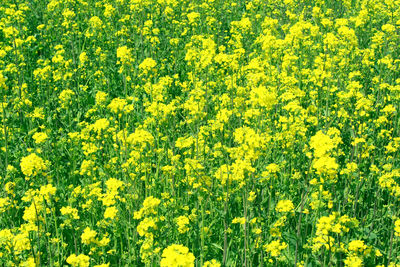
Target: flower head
(177,256)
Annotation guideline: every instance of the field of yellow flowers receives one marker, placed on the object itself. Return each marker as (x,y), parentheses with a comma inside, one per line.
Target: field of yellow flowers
(199,133)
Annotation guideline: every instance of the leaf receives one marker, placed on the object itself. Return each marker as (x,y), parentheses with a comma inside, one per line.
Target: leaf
(217,246)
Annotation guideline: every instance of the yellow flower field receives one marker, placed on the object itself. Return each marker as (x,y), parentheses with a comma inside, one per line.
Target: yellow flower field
(199,133)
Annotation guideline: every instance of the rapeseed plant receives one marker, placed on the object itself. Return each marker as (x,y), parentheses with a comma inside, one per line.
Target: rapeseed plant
(205,133)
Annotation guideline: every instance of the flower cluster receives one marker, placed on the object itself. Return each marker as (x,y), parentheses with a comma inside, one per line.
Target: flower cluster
(199,133)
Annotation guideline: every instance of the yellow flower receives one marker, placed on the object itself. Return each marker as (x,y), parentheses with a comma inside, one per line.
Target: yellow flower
(182,222)
(325,164)
(70,211)
(147,65)
(103,242)
(257,231)
(46,191)
(101,98)
(177,256)
(244,24)
(241,220)
(321,143)
(113,184)
(252,196)
(353,261)
(21,242)
(110,212)
(108,10)
(212,263)
(260,96)
(65,98)
(357,246)
(100,125)
(117,105)
(88,236)
(83,58)
(31,165)
(143,227)
(149,207)
(388,28)
(192,17)
(95,22)
(275,248)
(124,54)
(4,202)
(87,167)
(78,261)
(40,137)
(284,206)
(30,262)
(397,228)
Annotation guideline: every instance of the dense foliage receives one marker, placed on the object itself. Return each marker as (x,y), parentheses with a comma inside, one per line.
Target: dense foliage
(199,133)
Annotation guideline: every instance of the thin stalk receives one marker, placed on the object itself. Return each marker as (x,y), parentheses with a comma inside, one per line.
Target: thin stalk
(5,139)
(245,227)
(303,198)
(37,261)
(226,224)
(390,248)
(59,252)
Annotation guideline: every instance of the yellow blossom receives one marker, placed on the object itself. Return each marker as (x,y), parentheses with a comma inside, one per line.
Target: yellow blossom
(212,263)
(110,212)
(284,206)
(182,222)
(78,261)
(241,220)
(40,137)
(88,236)
(275,247)
(177,256)
(32,165)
